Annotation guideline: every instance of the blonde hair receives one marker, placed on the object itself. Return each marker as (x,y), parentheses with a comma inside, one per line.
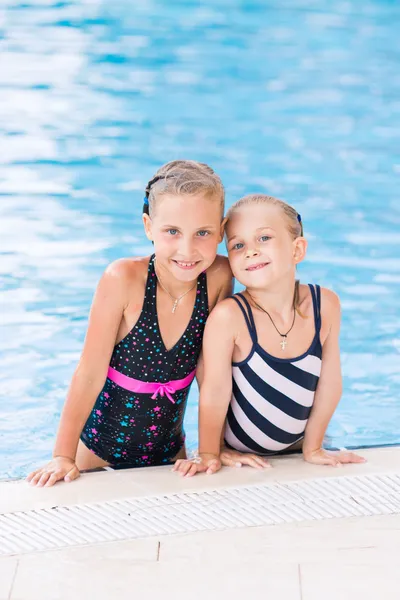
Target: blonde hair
(183,177)
(293,221)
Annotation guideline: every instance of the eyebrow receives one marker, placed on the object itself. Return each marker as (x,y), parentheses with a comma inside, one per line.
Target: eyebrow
(258,229)
(232,238)
(197,228)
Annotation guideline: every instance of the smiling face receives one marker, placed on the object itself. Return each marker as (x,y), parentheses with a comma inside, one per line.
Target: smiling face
(261,249)
(186,230)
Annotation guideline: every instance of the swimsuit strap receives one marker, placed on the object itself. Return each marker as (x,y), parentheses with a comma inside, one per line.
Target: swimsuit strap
(248,315)
(151,285)
(316,299)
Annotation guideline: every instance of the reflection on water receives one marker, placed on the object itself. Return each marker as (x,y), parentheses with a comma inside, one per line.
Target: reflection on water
(296,98)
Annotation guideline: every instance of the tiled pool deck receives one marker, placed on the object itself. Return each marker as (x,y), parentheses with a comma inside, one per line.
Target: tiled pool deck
(334,558)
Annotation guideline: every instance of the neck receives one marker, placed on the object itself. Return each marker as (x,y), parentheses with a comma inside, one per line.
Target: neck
(175,287)
(276,300)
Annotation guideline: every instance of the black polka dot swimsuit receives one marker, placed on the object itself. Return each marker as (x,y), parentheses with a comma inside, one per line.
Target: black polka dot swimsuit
(137,419)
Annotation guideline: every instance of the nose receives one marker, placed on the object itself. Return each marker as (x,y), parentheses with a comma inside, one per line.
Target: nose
(186,247)
(250,252)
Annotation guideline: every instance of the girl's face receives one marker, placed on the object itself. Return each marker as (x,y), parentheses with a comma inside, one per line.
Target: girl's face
(186,231)
(261,250)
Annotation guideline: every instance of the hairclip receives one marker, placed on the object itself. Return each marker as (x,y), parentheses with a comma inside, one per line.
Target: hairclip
(151,182)
(299,217)
(146,201)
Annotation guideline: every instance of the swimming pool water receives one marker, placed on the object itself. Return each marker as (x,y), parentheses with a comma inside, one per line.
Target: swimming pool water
(296,98)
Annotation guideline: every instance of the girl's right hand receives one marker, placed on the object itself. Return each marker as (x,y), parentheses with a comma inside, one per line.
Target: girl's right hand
(58,468)
(206,463)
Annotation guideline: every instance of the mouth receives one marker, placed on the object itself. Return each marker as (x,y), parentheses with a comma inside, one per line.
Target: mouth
(186,265)
(257,267)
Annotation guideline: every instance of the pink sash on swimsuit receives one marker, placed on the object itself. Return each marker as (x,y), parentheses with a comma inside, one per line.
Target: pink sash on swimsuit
(146,387)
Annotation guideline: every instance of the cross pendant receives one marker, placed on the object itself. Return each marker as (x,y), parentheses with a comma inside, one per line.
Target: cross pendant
(283,343)
(174,306)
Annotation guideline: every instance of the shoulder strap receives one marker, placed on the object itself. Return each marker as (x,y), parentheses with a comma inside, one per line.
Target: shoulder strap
(316,299)
(151,287)
(248,315)
(202,291)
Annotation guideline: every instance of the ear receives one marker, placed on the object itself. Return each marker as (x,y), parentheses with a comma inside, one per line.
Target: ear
(147,226)
(222,229)
(299,249)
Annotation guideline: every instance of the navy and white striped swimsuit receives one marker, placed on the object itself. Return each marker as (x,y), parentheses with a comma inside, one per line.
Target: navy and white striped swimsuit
(272,397)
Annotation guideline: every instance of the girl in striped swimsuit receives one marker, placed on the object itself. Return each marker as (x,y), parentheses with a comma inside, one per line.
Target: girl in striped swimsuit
(271,353)
(128,395)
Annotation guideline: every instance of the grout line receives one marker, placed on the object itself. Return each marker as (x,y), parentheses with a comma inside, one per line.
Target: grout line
(300,584)
(158,551)
(13,581)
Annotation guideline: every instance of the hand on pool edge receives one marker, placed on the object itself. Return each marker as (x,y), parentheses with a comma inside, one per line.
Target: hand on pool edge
(232,458)
(333,459)
(203,463)
(60,467)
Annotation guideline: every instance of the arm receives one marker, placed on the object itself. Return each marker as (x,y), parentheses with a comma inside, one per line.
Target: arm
(216,388)
(105,318)
(214,376)
(109,303)
(329,391)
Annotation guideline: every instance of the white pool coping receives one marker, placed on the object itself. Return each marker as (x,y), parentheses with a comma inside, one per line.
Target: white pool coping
(348,557)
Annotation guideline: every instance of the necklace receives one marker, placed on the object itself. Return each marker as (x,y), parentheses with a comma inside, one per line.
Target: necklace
(283,335)
(176,300)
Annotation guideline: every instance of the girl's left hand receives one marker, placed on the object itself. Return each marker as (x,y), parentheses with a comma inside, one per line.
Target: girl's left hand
(333,459)
(232,458)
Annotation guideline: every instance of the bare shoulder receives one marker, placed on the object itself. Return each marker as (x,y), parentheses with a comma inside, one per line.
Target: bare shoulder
(125,276)
(127,268)
(220,267)
(330,303)
(226,312)
(222,324)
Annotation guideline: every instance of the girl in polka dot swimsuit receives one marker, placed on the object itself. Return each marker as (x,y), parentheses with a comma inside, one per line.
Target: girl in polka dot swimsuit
(128,395)
(132,429)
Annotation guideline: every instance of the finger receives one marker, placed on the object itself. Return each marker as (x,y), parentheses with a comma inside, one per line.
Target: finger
(184,467)
(35,478)
(230,462)
(193,469)
(330,461)
(54,477)
(213,467)
(31,475)
(177,464)
(73,474)
(183,470)
(252,461)
(263,462)
(350,457)
(43,480)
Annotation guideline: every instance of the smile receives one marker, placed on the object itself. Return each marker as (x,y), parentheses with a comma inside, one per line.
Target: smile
(257,267)
(185,265)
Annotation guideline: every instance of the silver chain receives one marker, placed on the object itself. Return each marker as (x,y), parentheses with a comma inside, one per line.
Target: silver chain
(176,300)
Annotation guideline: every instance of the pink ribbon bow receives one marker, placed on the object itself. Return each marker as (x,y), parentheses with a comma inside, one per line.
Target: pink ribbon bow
(164,388)
(149,387)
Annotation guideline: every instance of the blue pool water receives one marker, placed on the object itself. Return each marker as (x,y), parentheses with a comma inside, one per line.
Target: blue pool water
(298,98)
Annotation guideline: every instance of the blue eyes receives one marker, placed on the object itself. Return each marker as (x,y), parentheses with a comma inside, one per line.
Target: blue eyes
(201,233)
(240,245)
